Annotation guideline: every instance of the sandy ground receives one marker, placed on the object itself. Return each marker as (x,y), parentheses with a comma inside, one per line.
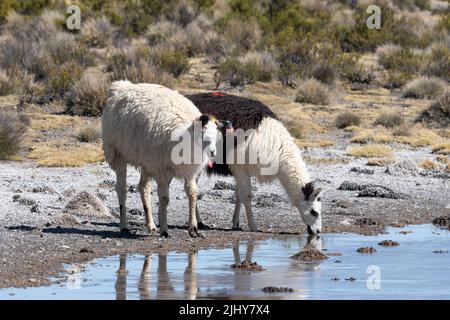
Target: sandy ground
(37,236)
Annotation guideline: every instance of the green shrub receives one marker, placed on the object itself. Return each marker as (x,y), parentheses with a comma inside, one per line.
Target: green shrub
(312,91)
(402,61)
(424,88)
(58,79)
(171,61)
(389,119)
(346,119)
(232,71)
(12,131)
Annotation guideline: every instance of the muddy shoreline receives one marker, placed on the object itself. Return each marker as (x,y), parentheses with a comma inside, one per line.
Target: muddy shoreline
(37,236)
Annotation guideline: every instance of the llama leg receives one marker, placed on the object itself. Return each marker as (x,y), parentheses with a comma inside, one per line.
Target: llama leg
(121,189)
(245,195)
(163,194)
(145,189)
(200,223)
(237,210)
(190,187)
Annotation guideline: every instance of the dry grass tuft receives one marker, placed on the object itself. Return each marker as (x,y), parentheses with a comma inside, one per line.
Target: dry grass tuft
(89,133)
(428,164)
(442,148)
(371,151)
(380,162)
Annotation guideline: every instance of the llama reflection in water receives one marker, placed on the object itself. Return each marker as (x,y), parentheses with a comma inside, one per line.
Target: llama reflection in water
(164,282)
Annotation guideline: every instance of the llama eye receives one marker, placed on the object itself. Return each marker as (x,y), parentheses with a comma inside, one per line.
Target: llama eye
(319,199)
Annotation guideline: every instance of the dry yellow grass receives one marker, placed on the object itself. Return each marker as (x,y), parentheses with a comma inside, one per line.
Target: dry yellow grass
(420,137)
(303,143)
(325,161)
(428,164)
(371,151)
(443,159)
(380,162)
(41,121)
(78,155)
(442,148)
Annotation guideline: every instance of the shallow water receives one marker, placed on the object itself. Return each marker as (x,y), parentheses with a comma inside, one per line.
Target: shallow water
(408,271)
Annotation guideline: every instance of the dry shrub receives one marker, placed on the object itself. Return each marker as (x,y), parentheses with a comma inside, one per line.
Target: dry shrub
(12,131)
(438,113)
(437,62)
(389,119)
(242,36)
(6,87)
(87,96)
(129,65)
(424,88)
(403,130)
(259,66)
(90,132)
(358,73)
(313,91)
(98,32)
(170,60)
(346,119)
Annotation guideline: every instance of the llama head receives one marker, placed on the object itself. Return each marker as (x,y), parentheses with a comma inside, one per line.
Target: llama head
(210,131)
(311,208)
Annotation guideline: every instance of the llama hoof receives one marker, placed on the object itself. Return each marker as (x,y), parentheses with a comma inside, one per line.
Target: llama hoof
(125,231)
(152,229)
(164,235)
(236,228)
(193,232)
(203,226)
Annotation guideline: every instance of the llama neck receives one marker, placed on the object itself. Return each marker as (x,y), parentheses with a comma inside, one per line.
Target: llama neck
(292,173)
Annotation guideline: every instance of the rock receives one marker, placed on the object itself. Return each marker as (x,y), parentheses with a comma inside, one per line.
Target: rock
(35,209)
(107,184)
(133,189)
(344,204)
(366,250)
(442,221)
(16,197)
(88,205)
(86,250)
(362,170)
(364,222)
(27,201)
(309,253)
(381,192)
(403,167)
(223,185)
(67,219)
(247,265)
(371,190)
(69,192)
(43,189)
(388,243)
(277,290)
(136,212)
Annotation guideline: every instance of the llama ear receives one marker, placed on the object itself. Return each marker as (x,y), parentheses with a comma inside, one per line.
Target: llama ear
(308,190)
(317,193)
(220,124)
(204,119)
